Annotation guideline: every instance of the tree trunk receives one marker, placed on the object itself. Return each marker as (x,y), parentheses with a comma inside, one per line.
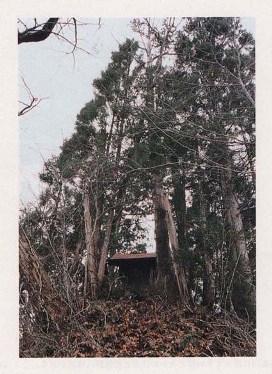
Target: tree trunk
(241,285)
(179,201)
(105,247)
(42,293)
(97,222)
(165,230)
(175,253)
(208,273)
(90,264)
(66,279)
(161,234)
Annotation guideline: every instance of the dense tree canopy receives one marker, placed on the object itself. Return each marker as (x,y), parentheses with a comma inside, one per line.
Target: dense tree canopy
(170,133)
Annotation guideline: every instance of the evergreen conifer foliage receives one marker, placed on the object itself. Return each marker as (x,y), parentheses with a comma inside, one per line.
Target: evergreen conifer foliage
(170,133)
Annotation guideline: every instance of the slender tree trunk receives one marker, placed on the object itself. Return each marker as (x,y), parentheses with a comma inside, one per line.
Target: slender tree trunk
(208,273)
(97,223)
(120,202)
(168,256)
(176,255)
(66,279)
(179,201)
(161,234)
(76,256)
(241,281)
(249,152)
(90,265)
(105,248)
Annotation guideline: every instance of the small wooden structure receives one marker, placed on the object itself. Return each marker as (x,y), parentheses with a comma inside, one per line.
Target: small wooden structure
(137,269)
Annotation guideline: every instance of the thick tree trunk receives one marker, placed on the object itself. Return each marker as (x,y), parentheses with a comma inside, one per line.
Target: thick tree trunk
(42,293)
(241,287)
(90,264)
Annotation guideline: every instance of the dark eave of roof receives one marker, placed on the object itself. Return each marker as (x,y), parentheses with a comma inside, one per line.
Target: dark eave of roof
(132,256)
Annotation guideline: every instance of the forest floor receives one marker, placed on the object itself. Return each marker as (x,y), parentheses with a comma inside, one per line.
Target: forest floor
(147,328)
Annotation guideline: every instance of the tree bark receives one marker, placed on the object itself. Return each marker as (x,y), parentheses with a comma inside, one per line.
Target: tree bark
(42,293)
(168,256)
(241,282)
(34,35)
(175,253)
(90,265)
(179,200)
(105,247)
(161,234)
(208,274)
(66,279)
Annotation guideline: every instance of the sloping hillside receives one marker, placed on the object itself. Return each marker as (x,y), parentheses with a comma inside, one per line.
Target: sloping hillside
(130,327)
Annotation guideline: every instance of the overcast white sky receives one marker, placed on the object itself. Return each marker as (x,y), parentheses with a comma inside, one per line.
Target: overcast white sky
(66,85)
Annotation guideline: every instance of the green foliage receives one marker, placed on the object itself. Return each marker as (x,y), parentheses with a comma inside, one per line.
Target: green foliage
(188,121)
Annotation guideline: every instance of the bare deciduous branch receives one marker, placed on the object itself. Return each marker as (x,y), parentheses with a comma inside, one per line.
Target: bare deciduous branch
(34,101)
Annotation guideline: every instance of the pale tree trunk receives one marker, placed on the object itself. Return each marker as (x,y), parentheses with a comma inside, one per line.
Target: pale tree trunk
(241,287)
(115,214)
(41,291)
(66,279)
(97,242)
(90,264)
(105,248)
(97,222)
(249,159)
(176,255)
(161,234)
(74,268)
(66,276)
(208,276)
(172,257)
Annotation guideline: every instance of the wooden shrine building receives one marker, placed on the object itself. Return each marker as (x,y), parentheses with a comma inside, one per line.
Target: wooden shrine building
(137,269)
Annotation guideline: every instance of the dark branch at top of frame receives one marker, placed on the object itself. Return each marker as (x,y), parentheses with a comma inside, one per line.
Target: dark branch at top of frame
(34,35)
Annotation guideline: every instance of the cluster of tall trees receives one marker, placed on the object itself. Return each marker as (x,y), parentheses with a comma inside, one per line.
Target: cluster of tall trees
(170,132)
